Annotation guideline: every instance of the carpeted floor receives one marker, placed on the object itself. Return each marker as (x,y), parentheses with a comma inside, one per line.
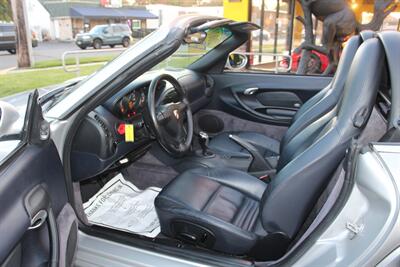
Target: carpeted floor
(149,171)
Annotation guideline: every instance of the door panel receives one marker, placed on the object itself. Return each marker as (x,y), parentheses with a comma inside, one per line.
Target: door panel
(108,36)
(32,195)
(31,183)
(266,98)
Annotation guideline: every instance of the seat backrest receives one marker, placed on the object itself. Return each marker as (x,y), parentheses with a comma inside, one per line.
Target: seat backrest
(325,100)
(297,186)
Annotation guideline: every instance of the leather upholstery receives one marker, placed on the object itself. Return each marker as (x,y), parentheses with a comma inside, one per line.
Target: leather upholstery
(232,204)
(225,201)
(316,107)
(267,146)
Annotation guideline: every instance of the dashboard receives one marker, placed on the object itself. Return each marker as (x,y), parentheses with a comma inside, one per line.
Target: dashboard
(100,140)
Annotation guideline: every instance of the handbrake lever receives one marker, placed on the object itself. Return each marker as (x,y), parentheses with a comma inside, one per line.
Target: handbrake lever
(259,163)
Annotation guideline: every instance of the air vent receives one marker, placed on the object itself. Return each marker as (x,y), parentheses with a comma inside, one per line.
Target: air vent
(102,125)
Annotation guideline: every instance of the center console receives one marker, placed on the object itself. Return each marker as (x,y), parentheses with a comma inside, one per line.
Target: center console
(253,162)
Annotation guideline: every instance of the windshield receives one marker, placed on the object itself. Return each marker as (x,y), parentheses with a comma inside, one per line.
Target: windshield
(86,87)
(183,57)
(189,53)
(97,29)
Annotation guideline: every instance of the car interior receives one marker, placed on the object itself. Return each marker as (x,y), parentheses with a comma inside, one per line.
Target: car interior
(240,159)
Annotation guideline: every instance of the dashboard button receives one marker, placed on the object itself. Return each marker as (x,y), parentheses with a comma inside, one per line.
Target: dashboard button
(121,129)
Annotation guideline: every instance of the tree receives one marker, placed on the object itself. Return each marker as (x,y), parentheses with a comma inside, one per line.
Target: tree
(23,34)
(5,10)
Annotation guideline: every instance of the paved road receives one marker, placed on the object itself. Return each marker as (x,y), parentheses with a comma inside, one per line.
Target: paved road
(44,51)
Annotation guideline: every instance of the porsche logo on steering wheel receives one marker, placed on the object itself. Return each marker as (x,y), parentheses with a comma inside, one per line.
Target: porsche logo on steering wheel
(176,114)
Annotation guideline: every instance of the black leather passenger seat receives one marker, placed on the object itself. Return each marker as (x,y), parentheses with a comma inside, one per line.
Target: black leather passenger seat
(308,116)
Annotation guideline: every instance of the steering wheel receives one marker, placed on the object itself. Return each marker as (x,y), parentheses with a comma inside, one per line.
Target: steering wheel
(167,120)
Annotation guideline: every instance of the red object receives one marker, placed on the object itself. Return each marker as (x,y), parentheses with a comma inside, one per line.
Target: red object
(266,178)
(105,3)
(319,58)
(121,129)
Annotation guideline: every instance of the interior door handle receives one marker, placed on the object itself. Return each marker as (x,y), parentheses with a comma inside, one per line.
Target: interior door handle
(38,219)
(250,91)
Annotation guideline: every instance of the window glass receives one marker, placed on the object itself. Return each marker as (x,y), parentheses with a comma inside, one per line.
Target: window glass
(117,29)
(275,47)
(135,24)
(97,29)
(124,28)
(189,53)
(269,45)
(12,116)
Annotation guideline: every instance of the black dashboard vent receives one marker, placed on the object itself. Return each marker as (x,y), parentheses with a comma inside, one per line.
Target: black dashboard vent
(102,125)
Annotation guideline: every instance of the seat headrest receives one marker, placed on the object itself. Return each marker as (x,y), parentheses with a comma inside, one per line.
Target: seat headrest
(367,34)
(391,44)
(346,58)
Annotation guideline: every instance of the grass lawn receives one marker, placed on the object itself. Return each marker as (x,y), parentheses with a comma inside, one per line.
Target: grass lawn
(12,83)
(71,61)
(16,82)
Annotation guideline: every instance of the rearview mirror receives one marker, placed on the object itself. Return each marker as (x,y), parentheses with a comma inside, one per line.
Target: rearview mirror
(236,61)
(195,38)
(9,115)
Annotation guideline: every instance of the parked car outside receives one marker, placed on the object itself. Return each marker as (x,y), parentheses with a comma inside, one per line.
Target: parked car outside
(111,35)
(7,38)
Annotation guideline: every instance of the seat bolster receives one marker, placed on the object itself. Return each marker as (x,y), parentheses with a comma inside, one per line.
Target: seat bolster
(236,179)
(230,238)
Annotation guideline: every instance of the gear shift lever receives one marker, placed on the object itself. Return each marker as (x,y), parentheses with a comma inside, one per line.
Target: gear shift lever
(204,139)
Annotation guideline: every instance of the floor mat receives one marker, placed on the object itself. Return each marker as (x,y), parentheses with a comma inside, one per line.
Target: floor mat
(148,171)
(121,205)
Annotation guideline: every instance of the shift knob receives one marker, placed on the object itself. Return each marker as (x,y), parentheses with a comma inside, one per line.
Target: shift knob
(204,139)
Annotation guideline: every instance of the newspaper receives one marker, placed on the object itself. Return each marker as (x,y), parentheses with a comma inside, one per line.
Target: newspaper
(121,205)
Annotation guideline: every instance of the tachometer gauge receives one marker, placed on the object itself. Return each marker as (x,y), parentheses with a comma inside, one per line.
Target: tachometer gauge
(132,101)
(123,106)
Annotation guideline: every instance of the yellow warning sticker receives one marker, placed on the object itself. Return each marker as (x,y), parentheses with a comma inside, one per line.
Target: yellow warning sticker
(129,133)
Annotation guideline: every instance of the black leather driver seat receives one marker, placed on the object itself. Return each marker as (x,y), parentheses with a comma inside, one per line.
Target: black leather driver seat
(233,212)
(314,108)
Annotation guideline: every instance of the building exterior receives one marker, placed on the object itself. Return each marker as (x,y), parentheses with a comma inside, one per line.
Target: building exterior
(167,13)
(70,17)
(39,21)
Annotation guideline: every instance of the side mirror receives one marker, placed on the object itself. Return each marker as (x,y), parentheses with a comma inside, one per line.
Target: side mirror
(236,61)
(9,115)
(105,31)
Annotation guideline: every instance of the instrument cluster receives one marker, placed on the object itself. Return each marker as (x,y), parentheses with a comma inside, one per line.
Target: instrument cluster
(132,105)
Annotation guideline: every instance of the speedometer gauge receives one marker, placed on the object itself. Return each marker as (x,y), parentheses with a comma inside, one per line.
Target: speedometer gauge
(142,99)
